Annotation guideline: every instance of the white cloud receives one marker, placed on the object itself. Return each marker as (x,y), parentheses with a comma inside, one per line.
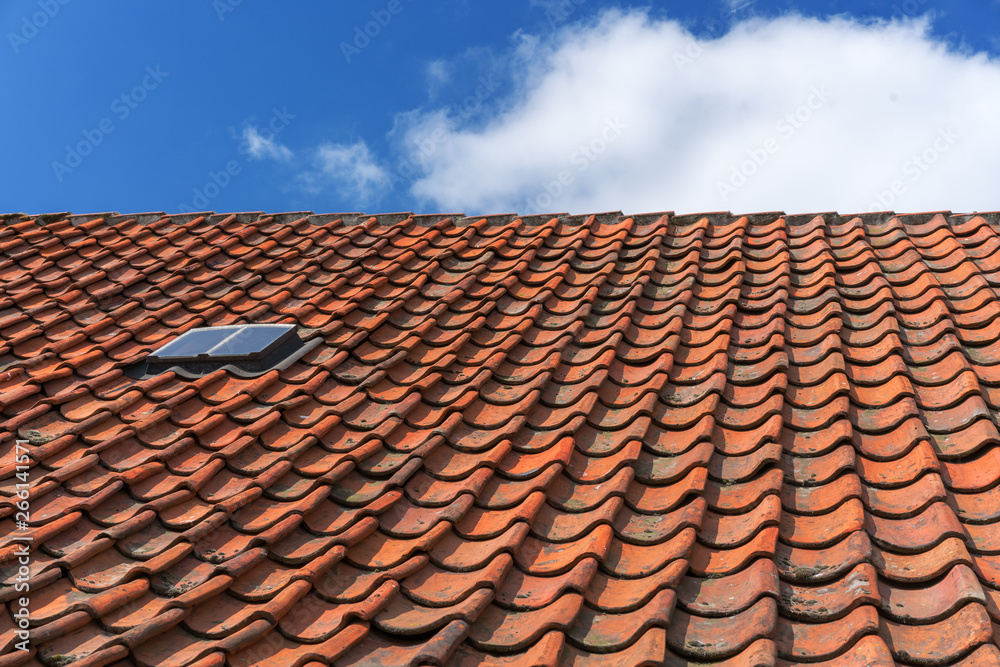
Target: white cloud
(350,169)
(632,113)
(263,145)
(438,74)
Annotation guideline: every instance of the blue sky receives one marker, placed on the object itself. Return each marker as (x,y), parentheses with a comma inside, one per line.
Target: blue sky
(486,107)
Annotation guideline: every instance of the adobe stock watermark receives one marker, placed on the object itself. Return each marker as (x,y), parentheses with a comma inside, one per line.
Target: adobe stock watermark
(31,25)
(19,606)
(686,58)
(914,168)
(912,8)
(560,11)
(581,158)
(223,7)
(218,181)
(121,107)
(908,7)
(364,34)
(786,127)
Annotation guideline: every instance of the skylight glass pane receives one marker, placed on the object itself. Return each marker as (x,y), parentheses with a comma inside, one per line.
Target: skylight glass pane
(252,339)
(194,342)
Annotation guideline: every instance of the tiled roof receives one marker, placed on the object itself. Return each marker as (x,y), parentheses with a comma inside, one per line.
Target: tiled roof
(590,440)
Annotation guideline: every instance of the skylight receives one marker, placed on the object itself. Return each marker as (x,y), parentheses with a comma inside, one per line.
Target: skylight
(237,342)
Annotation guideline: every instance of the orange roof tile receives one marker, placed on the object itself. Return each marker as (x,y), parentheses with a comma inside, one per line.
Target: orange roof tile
(594,440)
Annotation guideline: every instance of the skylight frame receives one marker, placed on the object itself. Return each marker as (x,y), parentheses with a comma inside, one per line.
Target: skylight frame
(162,355)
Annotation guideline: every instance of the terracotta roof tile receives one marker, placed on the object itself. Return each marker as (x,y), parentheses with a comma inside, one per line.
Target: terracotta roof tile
(741,440)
